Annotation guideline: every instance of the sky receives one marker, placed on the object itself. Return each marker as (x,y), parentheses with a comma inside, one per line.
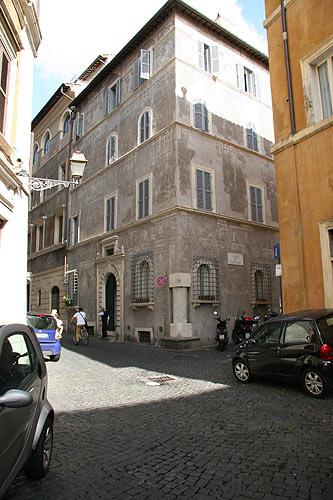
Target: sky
(75,32)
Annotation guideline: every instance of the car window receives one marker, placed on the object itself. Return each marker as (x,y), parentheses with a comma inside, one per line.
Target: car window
(326,328)
(269,333)
(299,332)
(17,361)
(42,322)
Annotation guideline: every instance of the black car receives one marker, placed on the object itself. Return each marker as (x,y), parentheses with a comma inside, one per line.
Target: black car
(297,347)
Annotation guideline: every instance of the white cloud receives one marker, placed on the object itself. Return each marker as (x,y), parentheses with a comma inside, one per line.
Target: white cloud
(76,31)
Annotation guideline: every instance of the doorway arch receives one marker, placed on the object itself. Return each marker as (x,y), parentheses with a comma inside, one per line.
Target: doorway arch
(111,300)
(55,298)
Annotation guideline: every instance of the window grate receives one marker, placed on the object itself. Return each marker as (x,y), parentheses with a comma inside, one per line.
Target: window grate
(261,284)
(142,277)
(144,337)
(72,285)
(205,276)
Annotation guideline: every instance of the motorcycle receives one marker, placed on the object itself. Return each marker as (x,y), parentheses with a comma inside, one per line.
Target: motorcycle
(243,328)
(221,332)
(270,314)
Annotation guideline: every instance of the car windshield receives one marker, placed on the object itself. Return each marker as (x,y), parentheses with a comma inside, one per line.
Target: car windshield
(326,328)
(42,322)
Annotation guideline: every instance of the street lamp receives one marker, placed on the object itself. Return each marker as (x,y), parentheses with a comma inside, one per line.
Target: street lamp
(77,164)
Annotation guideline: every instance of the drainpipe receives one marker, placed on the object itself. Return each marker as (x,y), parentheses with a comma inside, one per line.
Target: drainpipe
(286,56)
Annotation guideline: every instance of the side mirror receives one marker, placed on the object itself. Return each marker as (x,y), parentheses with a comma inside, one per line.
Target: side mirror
(15,399)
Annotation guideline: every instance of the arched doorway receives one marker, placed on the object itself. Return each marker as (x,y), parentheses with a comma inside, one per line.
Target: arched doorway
(111,300)
(55,298)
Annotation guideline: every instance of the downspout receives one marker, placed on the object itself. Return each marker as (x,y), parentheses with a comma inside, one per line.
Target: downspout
(286,56)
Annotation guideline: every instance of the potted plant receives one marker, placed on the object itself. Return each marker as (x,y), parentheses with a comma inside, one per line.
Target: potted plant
(67,300)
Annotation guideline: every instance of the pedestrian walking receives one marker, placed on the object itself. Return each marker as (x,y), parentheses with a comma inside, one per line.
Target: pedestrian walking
(79,319)
(105,321)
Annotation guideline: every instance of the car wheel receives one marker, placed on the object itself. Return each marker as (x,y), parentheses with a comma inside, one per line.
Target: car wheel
(314,384)
(241,371)
(39,461)
(55,357)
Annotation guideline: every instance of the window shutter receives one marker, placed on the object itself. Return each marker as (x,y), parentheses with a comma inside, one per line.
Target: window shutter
(69,232)
(201,54)
(145,64)
(205,116)
(200,194)
(110,214)
(111,149)
(255,141)
(259,205)
(140,200)
(198,115)
(254,86)
(249,138)
(240,76)
(79,126)
(146,197)
(208,191)
(257,85)
(108,101)
(3,93)
(136,74)
(215,59)
(118,91)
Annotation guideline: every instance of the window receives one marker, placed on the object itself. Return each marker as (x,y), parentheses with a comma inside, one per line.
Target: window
(112,149)
(59,224)
(201,116)
(40,237)
(55,298)
(47,143)
(39,298)
(143,198)
(62,173)
(247,80)
(110,209)
(208,57)
(317,79)
(35,155)
(299,332)
(141,71)
(4,61)
(66,125)
(325,81)
(144,126)
(14,370)
(76,229)
(261,284)
(72,285)
(205,277)
(113,96)
(269,334)
(79,126)
(256,204)
(203,190)
(142,278)
(252,139)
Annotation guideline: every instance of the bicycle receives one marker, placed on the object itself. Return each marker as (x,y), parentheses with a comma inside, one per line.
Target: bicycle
(83,336)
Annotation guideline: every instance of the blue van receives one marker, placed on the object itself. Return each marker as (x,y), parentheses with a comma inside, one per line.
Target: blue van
(45,328)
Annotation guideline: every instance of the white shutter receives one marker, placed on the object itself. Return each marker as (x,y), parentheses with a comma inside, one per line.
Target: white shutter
(240,76)
(215,59)
(257,85)
(145,64)
(201,54)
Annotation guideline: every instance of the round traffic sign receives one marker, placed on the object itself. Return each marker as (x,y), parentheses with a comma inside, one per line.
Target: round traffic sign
(161,281)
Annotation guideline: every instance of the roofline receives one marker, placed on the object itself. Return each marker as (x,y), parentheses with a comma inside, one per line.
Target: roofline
(155,21)
(50,103)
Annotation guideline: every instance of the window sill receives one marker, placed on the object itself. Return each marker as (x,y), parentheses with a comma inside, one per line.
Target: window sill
(198,302)
(139,305)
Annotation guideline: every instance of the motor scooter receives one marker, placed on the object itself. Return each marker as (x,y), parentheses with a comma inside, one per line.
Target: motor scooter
(221,331)
(243,328)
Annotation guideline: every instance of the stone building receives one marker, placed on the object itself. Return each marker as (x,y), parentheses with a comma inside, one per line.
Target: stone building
(20,37)
(176,214)
(301,53)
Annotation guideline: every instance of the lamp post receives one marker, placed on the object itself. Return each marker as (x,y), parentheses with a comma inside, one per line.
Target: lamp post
(77,163)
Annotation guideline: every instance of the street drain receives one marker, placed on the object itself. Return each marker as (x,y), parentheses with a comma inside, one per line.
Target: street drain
(160,380)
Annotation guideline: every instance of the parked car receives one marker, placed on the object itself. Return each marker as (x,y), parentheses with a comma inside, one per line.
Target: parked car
(48,334)
(297,347)
(26,416)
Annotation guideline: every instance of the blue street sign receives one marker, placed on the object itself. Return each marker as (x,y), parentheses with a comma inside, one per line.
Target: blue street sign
(276,249)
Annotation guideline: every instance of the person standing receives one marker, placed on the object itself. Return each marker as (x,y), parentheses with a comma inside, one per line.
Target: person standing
(59,322)
(105,321)
(80,319)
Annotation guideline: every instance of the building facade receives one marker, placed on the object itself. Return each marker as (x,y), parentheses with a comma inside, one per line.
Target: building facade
(19,40)
(301,53)
(176,214)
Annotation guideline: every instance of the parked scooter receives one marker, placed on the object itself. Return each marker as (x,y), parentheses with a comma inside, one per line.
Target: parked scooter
(243,328)
(221,331)
(270,314)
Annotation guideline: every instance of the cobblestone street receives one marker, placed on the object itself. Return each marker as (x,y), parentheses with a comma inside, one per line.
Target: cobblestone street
(136,421)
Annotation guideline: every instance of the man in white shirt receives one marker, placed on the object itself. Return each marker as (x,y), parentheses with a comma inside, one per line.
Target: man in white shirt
(80,320)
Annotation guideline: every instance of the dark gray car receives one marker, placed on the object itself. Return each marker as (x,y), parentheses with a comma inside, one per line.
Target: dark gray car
(26,416)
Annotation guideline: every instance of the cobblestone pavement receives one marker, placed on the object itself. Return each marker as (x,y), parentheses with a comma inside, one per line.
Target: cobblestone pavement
(138,422)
